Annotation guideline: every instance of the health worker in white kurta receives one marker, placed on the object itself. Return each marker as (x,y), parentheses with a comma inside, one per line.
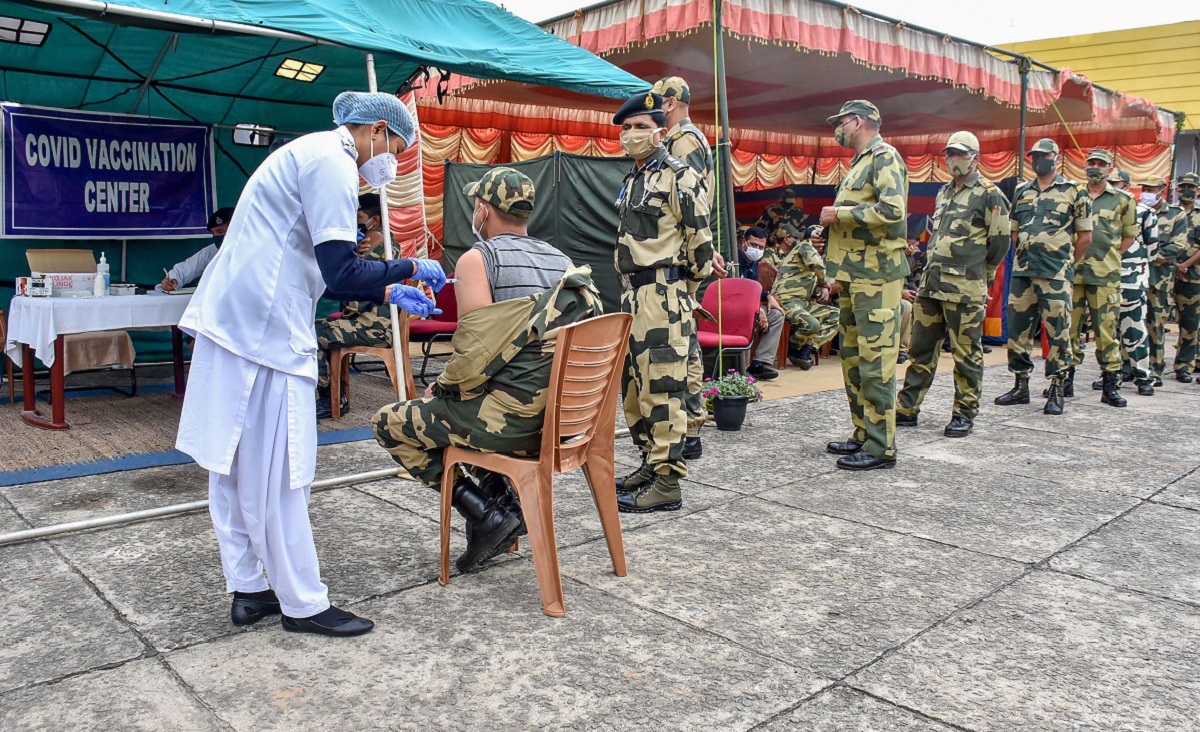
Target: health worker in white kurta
(249,416)
(189,270)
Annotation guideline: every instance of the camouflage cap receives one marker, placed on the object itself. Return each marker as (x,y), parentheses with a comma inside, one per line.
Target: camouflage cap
(1119,176)
(963,141)
(1044,145)
(1099,153)
(509,190)
(1188,179)
(642,103)
(1154,181)
(861,107)
(673,86)
(789,230)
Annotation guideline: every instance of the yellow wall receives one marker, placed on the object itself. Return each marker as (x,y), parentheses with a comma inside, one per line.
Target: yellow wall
(1160,63)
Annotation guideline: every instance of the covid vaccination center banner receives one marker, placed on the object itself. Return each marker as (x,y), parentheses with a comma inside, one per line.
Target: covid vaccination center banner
(81,175)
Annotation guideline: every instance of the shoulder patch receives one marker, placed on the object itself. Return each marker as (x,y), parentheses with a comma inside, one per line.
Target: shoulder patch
(676,164)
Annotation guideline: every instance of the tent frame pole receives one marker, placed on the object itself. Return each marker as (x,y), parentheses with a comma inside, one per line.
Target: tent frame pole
(1023,67)
(402,365)
(153,71)
(726,205)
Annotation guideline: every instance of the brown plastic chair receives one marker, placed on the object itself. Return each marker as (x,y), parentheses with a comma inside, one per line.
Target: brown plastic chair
(579,432)
(339,375)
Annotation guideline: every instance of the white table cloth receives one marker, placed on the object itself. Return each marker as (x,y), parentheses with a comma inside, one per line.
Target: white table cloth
(38,321)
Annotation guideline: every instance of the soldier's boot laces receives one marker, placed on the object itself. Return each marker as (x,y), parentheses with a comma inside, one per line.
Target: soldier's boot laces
(1112,391)
(1068,385)
(1054,398)
(635,480)
(1019,394)
(661,495)
(491,526)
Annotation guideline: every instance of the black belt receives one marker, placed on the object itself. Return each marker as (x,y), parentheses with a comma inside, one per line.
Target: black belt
(650,276)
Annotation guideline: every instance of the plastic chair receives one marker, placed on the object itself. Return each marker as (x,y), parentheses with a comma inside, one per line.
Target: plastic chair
(579,432)
(735,301)
(767,274)
(430,330)
(339,376)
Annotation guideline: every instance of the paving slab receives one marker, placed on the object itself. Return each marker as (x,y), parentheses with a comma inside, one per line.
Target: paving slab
(479,654)
(1153,549)
(165,576)
(10,520)
(1125,429)
(141,695)
(1184,492)
(59,626)
(822,593)
(847,710)
(1004,515)
(1052,652)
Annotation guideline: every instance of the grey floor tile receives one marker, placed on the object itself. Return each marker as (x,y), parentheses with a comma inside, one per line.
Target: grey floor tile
(1052,652)
(1184,492)
(9,520)
(847,710)
(479,654)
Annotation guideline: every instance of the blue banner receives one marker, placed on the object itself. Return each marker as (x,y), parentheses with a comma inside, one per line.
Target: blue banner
(81,175)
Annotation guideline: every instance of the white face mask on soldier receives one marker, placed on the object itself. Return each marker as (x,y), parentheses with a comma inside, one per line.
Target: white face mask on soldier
(477,230)
(1149,198)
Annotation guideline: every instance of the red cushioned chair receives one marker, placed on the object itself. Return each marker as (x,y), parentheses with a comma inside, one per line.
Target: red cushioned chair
(734,302)
(428,331)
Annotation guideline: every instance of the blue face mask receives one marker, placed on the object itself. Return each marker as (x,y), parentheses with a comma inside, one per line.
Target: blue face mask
(218,240)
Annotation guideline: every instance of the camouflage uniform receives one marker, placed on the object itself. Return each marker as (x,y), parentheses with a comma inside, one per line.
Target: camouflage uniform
(1163,258)
(492,395)
(1187,295)
(686,142)
(801,272)
(1135,278)
(789,210)
(970,240)
(1098,277)
(361,324)
(1045,223)
(865,254)
(663,237)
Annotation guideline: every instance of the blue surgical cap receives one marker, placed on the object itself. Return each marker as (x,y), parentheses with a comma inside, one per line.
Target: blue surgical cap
(367,108)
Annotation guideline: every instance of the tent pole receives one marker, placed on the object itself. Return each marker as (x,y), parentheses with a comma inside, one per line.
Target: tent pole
(726,217)
(1023,67)
(153,71)
(402,365)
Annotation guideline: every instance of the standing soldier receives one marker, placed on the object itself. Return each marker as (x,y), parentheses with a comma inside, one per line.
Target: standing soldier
(1187,276)
(1052,228)
(1097,288)
(664,249)
(1163,258)
(866,230)
(686,142)
(970,240)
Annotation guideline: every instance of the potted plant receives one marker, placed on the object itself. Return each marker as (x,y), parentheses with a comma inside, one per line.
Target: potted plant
(726,398)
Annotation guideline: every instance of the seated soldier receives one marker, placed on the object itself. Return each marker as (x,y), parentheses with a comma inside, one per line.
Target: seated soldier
(512,290)
(800,284)
(789,210)
(361,323)
(188,271)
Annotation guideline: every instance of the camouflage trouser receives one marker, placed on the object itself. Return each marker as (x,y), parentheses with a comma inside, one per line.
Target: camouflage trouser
(1135,341)
(1103,303)
(345,333)
(906,324)
(694,403)
(654,385)
(417,432)
(1158,307)
(813,323)
(869,324)
(935,321)
(1029,299)
(1187,297)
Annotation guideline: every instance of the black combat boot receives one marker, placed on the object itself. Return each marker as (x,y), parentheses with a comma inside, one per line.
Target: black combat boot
(491,528)
(1184,376)
(803,359)
(325,404)
(958,427)
(495,485)
(662,494)
(1019,394)
(1068,385)
(1054,398)
(635,480)
(849,447)
(1098,384)
(1112,391)
(693,449)
(1145,388)
(905,420)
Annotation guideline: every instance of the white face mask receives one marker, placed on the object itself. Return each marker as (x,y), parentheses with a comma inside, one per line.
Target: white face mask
(1149,199)
(379,170)
(477,230)
(753,254)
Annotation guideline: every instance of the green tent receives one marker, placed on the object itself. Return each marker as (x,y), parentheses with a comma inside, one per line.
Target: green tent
(269,62)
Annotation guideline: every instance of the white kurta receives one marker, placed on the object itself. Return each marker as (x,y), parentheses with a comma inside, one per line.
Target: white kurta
(190,269)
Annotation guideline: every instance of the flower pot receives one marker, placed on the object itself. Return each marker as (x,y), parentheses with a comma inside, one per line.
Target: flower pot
(730,412)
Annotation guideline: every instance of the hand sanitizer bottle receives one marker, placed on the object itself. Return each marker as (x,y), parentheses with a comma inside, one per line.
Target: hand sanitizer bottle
(101,284)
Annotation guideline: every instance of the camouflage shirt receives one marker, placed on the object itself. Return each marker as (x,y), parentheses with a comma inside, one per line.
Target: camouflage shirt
(776,215)
(970,239)
(1114,217)
(1046,223)
(1191,221)
(1135,262)
(867,241)
(664,219)
(686,142)
(801,271)
(1173,250)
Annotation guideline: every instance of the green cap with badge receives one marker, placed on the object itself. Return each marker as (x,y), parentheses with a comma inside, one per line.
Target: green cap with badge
(1188,179)
(1044,145)
(861,107)
(1099,153)
(507,189)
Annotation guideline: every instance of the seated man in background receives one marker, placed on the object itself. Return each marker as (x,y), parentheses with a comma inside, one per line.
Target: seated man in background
(770,317)
(800,284)
(513,290)
(361,323)
(189,270)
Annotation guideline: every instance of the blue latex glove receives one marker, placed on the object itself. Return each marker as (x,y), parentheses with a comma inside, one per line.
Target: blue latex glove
(412,300)
(430,272)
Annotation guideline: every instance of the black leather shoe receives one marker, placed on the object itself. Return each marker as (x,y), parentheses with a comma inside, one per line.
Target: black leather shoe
(1145,390)
(849,447)
(1098,385)
(250,607)
(692,448)
(864,461)
(761,371)
(1157,382)
(325,407)
(332,621)
(906,420)
(958,427)
(1183,376)
(902,357)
